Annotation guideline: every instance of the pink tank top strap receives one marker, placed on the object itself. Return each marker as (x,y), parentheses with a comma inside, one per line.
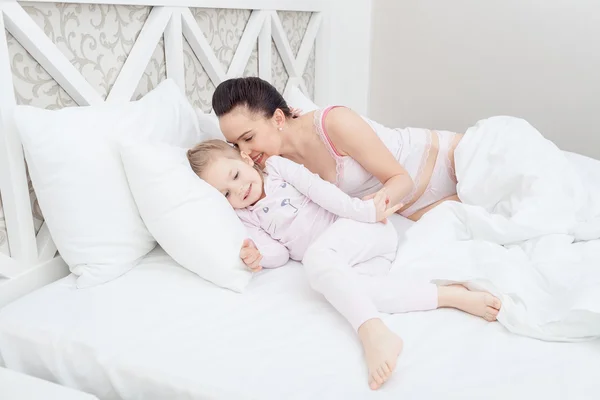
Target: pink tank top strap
(320,124)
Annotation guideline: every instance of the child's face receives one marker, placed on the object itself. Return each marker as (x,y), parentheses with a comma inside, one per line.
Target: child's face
(238,180)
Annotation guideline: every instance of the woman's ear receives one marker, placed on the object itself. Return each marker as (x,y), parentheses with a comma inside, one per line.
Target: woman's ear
(279,119)
(247,159)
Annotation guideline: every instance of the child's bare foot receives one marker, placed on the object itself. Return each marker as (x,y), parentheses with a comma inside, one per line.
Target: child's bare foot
(481,304)
(382,348)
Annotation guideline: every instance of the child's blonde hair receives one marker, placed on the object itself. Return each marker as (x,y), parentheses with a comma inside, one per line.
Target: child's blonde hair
(203,154)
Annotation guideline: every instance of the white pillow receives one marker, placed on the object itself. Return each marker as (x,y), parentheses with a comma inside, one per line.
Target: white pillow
(191,220)
(76,171)
(295,98)
(209,125)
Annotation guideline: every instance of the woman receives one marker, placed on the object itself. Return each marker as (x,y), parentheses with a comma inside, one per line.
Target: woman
(414,167)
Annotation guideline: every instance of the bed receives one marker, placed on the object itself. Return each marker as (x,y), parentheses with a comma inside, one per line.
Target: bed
(160,331)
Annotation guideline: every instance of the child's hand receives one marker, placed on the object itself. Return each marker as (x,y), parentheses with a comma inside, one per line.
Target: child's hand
(381,201)
(250,255)
(296,112)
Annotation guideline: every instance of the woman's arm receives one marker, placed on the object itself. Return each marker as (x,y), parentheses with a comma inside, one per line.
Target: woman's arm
(354,137)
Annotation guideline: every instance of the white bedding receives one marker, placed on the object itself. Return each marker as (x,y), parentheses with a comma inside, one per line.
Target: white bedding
(160,332)
(527,230)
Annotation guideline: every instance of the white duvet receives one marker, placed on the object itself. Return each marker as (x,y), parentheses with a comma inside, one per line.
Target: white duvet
(527,231)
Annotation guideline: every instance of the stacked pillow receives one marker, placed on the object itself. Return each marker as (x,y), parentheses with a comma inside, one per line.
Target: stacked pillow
(192,221)
(295,98)
(74,159)
(114,179)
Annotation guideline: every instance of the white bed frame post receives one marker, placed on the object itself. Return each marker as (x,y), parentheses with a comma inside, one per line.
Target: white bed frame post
(33,261)
(13,181)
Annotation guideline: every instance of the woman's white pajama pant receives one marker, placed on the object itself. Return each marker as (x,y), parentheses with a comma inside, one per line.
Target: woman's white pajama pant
(329,263)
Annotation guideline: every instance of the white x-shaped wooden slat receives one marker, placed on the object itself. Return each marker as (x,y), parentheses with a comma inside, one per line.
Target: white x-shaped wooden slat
(172,23)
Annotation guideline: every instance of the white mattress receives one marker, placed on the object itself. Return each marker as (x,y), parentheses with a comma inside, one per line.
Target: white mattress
(160,332)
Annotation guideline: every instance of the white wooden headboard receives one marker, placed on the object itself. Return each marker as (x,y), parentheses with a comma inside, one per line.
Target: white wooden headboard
(82,52)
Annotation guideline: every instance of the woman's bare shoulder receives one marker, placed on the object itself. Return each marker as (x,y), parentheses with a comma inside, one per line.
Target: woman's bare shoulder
(344,126)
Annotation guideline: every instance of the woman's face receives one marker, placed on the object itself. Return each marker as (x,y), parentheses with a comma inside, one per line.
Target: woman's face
(255,135)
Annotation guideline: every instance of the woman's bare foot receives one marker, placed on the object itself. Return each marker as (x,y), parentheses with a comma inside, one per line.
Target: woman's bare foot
(382,348)
(481,304)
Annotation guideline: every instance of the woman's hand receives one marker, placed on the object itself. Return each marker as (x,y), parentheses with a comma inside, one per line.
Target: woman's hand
(250,255)
(382,201)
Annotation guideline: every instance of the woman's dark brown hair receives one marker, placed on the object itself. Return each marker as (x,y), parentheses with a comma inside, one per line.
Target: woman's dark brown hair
(252,92)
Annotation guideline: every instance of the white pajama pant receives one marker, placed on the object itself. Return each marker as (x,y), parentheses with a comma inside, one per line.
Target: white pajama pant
(329,263)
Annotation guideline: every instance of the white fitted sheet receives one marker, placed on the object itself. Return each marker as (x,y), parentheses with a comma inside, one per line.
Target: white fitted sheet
(160,332)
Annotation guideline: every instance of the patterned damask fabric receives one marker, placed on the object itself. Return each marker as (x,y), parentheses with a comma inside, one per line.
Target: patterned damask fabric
(38,218)
(295,24)
(98,38)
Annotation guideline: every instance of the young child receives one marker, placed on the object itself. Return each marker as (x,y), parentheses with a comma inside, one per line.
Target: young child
(293,213)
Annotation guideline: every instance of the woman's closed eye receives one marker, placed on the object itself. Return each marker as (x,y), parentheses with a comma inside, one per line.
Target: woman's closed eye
(249,138)
(237,174)
(226,194)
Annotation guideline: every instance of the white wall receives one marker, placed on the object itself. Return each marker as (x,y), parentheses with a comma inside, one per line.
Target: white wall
(445,64)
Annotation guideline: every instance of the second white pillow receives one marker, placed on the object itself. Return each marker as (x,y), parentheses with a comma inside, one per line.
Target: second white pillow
(190,220)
